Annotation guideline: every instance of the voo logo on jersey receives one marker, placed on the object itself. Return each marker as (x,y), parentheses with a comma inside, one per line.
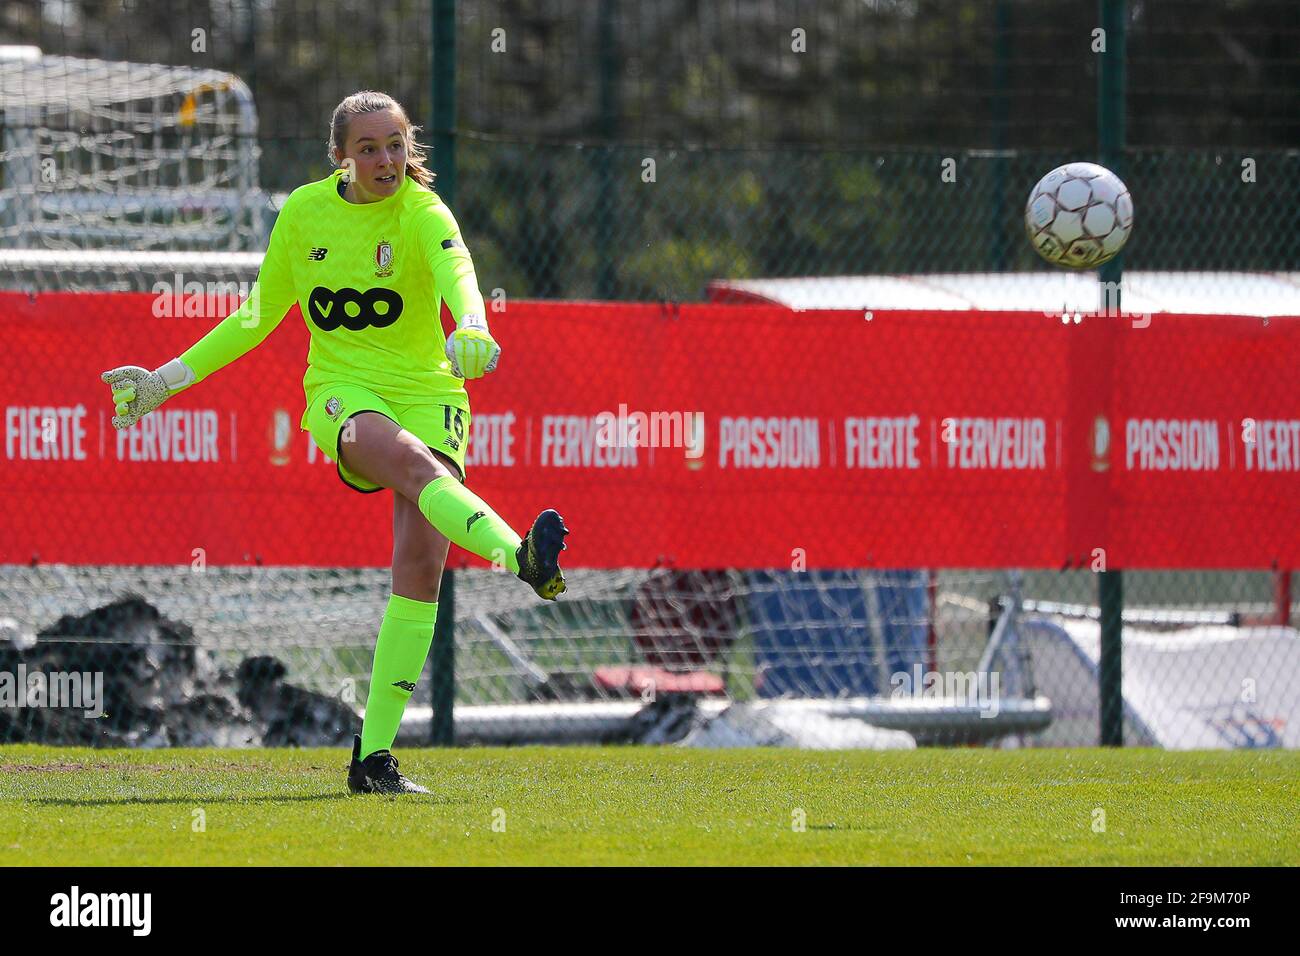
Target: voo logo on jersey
(378,308)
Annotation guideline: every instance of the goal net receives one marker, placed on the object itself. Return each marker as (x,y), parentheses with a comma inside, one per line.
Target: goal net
(126,156)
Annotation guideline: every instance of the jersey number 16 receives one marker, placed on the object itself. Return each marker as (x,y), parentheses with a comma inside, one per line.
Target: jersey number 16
(460,422)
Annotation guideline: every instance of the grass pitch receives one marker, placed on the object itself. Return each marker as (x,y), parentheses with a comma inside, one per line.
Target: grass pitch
(637,805)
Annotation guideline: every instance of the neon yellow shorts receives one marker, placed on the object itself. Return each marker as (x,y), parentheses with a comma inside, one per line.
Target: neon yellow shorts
(443,428)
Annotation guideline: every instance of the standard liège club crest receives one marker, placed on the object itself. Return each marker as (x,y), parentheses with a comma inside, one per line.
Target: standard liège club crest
(1100,443)
(383,259)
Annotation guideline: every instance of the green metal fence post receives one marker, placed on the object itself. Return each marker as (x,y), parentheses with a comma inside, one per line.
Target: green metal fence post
(1110,678)
(442,731)
(1110,584)
(999,247)
(444,97)
(607,188)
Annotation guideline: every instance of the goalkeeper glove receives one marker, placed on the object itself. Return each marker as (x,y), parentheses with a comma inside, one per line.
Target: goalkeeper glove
(471,349)
(137,391)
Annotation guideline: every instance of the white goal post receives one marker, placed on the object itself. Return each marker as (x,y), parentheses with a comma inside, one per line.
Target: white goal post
(97,153)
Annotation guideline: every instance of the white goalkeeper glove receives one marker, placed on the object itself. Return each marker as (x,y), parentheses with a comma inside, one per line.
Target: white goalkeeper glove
(471,349)
(137,391)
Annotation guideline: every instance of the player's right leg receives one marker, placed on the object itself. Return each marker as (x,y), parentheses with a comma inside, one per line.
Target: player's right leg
(382,453)
(419,553)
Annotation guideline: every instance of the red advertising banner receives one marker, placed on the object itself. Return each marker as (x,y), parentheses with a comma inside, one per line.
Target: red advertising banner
(695,435)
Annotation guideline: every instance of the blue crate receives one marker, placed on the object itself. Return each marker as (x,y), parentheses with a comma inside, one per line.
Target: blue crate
(835,633)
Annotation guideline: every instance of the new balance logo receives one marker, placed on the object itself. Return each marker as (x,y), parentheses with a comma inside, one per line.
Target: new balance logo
(317,253)
(406,685)
(474,517)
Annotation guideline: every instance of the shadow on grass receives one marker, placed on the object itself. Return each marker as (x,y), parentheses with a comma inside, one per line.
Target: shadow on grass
(847,827)
(200,800)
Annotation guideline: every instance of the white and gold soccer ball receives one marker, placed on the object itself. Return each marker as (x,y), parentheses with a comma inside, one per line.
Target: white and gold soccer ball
(1079,215)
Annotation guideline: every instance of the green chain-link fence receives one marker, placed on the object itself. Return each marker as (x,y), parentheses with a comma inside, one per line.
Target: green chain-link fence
(584,222)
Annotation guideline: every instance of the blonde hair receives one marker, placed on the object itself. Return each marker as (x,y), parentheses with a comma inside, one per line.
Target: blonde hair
(372,101)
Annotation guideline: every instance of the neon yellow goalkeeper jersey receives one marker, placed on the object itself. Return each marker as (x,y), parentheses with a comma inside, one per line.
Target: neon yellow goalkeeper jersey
(369,279)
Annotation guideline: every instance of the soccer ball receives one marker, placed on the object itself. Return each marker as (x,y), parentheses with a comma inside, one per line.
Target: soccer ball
(1079,215)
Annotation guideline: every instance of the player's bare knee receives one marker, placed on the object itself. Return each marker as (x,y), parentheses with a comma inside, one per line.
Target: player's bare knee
(418,576)
(419,468)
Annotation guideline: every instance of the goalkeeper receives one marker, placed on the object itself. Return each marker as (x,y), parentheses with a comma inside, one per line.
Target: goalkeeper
(369,254)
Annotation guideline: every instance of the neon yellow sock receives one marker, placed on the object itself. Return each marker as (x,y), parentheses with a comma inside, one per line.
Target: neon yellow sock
(404,640)
(465,518)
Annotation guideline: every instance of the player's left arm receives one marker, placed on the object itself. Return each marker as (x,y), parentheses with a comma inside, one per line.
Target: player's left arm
(470,348)
(138,391)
